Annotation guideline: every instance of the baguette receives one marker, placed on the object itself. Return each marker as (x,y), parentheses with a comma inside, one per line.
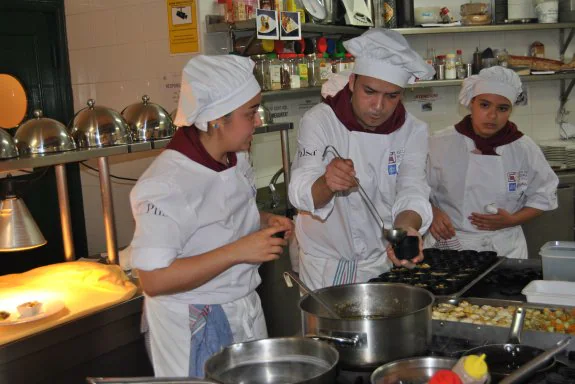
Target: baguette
(535,63)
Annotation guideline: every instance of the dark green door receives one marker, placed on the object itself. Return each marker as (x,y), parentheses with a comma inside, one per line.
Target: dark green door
(33,48)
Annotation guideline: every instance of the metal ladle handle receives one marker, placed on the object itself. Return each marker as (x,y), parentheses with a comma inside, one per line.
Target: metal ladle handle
(289,277)
(362,192)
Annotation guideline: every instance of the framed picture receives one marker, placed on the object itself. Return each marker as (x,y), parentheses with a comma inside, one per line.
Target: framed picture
(267,24)
(290,26)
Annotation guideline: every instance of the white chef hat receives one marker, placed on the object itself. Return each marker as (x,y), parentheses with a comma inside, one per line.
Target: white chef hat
(213,86)
(496,80)
(386,55)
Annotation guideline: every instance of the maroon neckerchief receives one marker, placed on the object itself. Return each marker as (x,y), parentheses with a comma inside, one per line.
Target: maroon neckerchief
(508,134)
(187,142)
(341,105)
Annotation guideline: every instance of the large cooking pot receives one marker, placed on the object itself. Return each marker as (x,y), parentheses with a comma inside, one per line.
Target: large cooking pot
(284,360)
(380,322)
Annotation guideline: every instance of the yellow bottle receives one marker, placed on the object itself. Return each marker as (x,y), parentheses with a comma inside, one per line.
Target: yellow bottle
(472,369)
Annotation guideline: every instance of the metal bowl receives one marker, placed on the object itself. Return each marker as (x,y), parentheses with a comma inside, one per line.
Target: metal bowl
(145,380)
(8,148)
(99,127)
(41,135)
(148,121)
(412,370)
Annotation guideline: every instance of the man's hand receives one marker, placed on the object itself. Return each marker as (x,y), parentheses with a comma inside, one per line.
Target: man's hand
(502,219)
(441,227)
(406,263)
(340,175)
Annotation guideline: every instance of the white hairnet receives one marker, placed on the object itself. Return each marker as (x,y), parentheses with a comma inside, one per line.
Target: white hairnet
(386,55)
(495,80)
(213,86)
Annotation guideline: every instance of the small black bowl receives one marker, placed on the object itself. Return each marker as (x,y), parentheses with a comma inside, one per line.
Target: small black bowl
(431,252)
(407,249)
(468,253)
(450,253)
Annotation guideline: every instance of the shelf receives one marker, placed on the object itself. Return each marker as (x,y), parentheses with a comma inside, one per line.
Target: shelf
(38,161)
(250,25)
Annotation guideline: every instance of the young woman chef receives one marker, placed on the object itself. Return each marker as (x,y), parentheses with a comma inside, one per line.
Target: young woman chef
(486,177)
(199,237)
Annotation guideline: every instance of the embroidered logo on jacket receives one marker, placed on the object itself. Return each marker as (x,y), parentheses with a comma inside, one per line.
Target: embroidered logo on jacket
(392,164)
(306,152)
(511,181)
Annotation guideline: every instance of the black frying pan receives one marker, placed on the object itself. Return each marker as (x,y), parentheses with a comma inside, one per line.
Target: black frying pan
(502,359)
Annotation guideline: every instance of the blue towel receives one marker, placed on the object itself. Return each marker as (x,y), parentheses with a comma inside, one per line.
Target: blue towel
(211,332)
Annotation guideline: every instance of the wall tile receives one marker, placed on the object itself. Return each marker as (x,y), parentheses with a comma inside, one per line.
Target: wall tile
(467,42)
(82,93)
(544,96)
(155,21)
(543,127)
(116,95)
(81,66)
(523,123)
(105,62)
(72,7)
(104,28)
(80,31)
(418,44)
(131,61)
(443,44)
(129,24)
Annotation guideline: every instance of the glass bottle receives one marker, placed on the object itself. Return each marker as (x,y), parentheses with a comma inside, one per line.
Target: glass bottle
(302,70)
(260,70)
(313,76)
(324,67)
(349,62)
(275,67)
(450,67)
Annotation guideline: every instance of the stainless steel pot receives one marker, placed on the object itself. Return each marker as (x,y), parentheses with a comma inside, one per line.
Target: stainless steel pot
(148,121)
(284,360)
(381,322)
(413,370)
(145,380)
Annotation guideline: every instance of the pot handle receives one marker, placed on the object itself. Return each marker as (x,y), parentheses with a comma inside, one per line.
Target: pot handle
(340,341)
(517,326)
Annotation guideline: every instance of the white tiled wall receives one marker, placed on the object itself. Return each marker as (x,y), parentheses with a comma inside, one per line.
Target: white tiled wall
(119,51)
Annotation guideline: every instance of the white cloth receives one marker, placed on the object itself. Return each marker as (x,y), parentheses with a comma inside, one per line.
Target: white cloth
(170,335)
(391,168)
(213,86)
(495,80)
(463,182)
(184,209)
(386,55)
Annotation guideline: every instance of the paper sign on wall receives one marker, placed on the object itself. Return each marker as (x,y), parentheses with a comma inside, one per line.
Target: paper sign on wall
(183,26)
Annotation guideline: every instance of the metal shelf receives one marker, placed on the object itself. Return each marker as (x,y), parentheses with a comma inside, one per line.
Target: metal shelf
(38,161)
(250,25)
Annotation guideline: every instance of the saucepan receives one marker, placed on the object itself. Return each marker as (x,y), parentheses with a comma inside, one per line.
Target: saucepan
(379,322)
(413,370)
(284,360)
(144,380)
(503,359)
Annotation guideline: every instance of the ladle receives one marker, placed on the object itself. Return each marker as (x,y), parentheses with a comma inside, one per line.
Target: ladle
(289,277)
(394,235)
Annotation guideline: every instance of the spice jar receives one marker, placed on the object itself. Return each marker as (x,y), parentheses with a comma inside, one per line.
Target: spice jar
(302,70)
(450,69)
(260,69)
(275,67)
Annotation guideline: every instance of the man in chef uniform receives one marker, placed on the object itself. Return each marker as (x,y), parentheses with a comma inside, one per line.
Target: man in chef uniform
(381,144)
(199,237)
(486,177)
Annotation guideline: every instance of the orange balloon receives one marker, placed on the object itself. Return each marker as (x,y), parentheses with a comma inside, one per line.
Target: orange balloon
(13,101)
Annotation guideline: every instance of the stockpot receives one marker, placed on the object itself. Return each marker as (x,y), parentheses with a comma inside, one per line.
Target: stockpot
(380,322)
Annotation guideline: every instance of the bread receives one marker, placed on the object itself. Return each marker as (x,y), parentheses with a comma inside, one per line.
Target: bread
(476,20)
(535,63)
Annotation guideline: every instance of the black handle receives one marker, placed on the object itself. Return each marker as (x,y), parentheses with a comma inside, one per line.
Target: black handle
(279,235)
(407,249)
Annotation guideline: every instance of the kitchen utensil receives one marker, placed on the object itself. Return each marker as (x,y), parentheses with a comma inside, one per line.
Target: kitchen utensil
(41,135)
(265,115)
(381,322)
(526,370)
(8,148)
(315,8)
(503,359)
(97,126)
(276,360)
(412,370)
(144,380)
(148,121)
(288,276)
(395,235)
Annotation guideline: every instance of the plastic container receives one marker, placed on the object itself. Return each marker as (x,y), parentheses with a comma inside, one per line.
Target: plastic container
(472,369)
(450,67)
(547,11)
(550,292)
(558,259)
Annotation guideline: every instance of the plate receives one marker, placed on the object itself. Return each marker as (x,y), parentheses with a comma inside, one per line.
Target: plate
(315,8)
(288,24)
(266,24)
(48,309)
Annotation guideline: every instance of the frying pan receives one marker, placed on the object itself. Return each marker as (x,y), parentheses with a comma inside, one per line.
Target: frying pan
(503,359)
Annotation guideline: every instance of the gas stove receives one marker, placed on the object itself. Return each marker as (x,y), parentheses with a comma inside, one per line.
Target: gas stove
(455,347)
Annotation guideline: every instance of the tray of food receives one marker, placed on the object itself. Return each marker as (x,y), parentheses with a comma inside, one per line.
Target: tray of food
(445,272)
(500,313)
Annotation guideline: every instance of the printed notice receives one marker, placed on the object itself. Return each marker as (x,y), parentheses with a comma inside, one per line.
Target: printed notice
(183,26)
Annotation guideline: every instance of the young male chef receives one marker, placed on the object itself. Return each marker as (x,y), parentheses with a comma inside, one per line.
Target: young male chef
(383,147)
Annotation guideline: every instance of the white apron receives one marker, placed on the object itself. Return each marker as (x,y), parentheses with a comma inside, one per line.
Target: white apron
(485,183)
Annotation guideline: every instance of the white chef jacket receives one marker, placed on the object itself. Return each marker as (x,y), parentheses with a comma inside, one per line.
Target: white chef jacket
(182,209)
(463,182)
(342,242)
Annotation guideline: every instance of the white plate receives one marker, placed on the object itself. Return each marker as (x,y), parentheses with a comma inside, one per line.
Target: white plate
(48,309)
(270,27)
(315,8)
